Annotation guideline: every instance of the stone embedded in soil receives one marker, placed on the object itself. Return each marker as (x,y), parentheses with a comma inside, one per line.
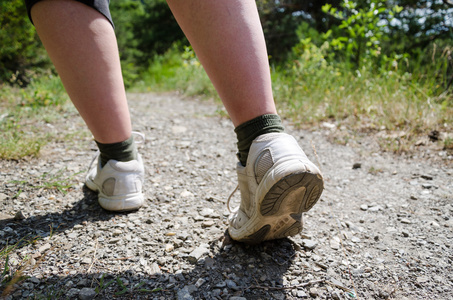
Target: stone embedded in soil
(87,293)
(356,166)
(309,244)
(197,253)
(406,221)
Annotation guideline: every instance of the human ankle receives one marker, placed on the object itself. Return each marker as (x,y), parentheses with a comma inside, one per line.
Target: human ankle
(121,151)
(250,130)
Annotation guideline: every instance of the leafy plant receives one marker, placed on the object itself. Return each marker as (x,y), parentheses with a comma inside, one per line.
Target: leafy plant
(362,28)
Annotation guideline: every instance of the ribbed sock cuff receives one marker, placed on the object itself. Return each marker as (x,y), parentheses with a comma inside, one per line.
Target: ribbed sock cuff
(122,151)
(250,130)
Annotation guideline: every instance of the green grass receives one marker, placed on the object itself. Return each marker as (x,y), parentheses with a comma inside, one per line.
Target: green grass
(177,70)
(25,114)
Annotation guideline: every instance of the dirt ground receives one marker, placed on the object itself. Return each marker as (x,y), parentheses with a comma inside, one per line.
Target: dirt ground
(382,229)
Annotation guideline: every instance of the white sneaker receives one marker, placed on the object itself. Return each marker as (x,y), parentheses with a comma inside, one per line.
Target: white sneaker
(277,185)
(119,184)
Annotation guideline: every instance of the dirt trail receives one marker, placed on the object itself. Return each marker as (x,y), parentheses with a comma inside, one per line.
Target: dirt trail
(380,231)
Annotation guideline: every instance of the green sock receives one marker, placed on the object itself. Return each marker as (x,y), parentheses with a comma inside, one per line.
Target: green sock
(250,130)
(122,151)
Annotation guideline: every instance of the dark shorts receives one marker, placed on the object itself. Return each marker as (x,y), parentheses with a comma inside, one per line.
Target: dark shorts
(101,6)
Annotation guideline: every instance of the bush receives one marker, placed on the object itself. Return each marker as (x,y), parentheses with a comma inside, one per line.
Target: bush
(21,49)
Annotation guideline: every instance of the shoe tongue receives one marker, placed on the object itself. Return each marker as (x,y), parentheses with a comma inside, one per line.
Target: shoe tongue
(262,164)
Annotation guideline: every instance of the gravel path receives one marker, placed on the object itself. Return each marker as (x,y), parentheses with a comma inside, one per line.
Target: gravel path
(382,230)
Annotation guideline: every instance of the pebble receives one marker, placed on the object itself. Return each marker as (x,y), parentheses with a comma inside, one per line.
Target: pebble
(206,212)
(87,293)
(207,224)
(186,194)
(309,244)
(184,294)
(200,282)
(72,293)
(196,254)
(356,166)
(375,208)
(406,221)
(314,292)
(231,284)
(364,207)
(44,248)
(335,244)
(19,216)
(335,295)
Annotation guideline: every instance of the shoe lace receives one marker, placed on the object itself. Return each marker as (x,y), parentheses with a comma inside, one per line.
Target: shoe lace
(229,198)
(142,141)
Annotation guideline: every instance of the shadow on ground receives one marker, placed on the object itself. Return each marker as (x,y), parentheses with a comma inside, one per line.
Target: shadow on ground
(226,272)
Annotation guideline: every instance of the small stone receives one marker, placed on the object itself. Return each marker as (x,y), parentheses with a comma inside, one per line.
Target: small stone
(34,280)
(86,260)
(208,223)
(72,293)
(309,244)
(427,185)
(183,294)
(334,244)
(87,293)
(313,292)
(405,233)
(335,295)
(422,279)
(206,212)
(19,216)
(117,232)
(427,177)
(44,248)
(375,208)
(169,248)
(434,224)
(406,221)
(356,166)
(413,198)
(301,294)
(355,239)
(364,207)
(200,282)
(196,254)
(231,284)
(186,194)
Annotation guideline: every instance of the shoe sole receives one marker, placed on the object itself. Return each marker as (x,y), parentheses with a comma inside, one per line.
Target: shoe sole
(280,211)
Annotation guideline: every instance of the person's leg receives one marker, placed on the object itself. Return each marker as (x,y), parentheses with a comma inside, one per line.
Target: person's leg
(82,45)
(228,39)
(276,179)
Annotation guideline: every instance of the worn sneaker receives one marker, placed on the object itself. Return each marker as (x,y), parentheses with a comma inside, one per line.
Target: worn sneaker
(119,184)
(277,185)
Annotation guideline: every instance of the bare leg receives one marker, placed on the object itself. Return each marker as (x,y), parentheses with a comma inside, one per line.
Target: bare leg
(82,45)
(228,39)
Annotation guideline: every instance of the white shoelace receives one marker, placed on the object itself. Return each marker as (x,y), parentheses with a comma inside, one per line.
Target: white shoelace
(229,198)
(142,141)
